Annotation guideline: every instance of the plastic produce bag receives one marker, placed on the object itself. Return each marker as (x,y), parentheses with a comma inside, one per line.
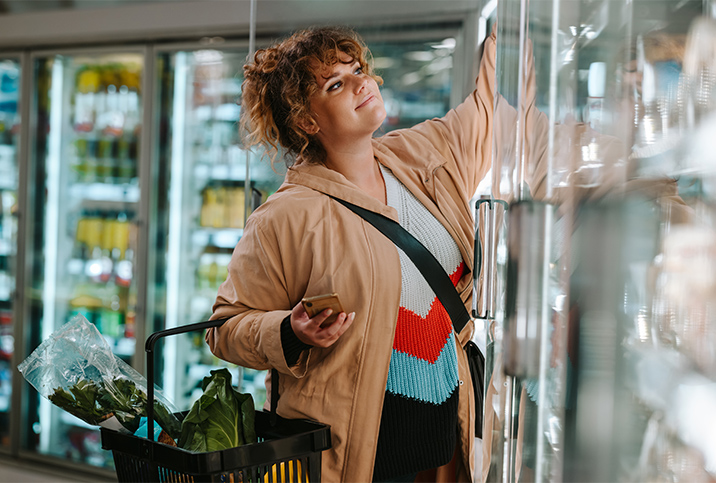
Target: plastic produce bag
(77,371)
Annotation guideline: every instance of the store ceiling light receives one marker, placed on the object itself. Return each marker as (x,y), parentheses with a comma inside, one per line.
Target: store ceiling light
(383,62)
(411,78)
(420,56)
(448,43)
(208,56)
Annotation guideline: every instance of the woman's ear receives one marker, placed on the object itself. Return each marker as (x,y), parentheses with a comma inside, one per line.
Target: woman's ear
(308,125)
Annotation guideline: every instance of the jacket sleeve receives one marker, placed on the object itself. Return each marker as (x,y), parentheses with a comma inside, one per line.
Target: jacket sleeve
(255,299)
(463,137)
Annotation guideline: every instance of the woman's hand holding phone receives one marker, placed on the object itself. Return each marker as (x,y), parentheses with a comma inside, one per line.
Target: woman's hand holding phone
(320,321)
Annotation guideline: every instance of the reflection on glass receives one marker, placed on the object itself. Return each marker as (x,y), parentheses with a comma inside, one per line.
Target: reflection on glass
(86,148)
(9,130)
(417,78)
(616,134)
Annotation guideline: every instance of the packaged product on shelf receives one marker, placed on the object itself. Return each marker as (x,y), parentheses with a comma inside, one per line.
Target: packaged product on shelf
(235,203)
(223,205)
(90,163)
(123,253)
(6,280)
(87,85)
(106,120)
(126,169)
(76,370)
(93,234)
(106,241)
(102,262)
(212,208)
(212,269)
(106,158)
(113,118)
(221,196)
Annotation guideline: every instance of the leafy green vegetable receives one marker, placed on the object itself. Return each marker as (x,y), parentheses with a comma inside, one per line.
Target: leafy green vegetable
(80,400)
(221,418)
(93,402)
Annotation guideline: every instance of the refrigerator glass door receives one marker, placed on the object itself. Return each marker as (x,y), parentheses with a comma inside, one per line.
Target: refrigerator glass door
(596,152)
(202,211)
(87,113)
(9,141)
(212,184)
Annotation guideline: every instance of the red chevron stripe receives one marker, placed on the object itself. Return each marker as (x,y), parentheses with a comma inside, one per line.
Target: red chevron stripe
(421,337)
(424,337)
(457,274)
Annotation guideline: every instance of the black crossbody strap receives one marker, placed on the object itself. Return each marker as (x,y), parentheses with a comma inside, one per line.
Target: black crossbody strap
(423,259)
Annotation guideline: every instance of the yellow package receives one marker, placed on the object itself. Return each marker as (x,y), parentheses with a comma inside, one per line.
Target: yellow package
(284,472)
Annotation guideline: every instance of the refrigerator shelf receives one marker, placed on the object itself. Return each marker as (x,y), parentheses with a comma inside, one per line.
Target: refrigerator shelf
(124,193)
(218,237)
(227,112)
(221,172)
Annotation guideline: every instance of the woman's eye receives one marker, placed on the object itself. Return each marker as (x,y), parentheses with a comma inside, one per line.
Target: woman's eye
(359,70)
(334,86)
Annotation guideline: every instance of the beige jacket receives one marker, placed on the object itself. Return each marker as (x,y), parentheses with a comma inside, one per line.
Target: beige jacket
(303,243)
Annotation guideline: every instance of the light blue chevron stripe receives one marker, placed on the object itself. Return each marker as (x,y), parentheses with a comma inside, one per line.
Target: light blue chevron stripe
(421,380)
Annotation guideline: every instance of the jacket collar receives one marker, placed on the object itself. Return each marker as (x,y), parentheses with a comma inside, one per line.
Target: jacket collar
(332,183)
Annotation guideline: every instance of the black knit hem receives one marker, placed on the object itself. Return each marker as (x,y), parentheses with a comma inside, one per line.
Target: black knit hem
(415,436)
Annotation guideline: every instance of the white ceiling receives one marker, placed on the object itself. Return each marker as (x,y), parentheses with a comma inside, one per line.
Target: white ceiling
(24,6)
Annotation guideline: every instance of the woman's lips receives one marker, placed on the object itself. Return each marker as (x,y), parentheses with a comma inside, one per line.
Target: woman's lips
(365,101)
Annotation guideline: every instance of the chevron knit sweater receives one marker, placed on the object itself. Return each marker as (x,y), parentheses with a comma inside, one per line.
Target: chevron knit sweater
(418,428)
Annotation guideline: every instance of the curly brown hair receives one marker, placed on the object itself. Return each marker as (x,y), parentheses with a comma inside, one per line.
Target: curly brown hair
(279,83)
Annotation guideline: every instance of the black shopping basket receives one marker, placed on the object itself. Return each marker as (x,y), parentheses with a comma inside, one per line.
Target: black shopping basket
(289,450)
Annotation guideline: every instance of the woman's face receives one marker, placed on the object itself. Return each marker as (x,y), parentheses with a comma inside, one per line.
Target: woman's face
(347,104)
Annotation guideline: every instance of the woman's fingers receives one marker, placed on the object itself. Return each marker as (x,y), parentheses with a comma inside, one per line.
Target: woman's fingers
(326,335)
(325,318)
(315,331)
(347,321)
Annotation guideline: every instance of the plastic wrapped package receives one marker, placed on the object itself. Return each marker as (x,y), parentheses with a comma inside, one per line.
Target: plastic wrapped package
(77,371)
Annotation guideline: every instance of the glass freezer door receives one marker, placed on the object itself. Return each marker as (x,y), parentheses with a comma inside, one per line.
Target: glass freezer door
(87,109)
(202,211)
(595,150)
(9,141)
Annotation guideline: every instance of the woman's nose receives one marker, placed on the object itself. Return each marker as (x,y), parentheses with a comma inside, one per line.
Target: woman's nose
(361,82)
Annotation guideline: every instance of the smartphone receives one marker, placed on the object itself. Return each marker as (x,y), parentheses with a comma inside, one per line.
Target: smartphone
(319,303)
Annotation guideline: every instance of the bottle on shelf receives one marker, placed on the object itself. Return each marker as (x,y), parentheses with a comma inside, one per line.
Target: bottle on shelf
(212,210)
(123,253)
(6,280)
(130,317)
(235,205)
(93,238)
(106,159)
(91,169)
(85,99)
(107,241)
(223,205)
(111,313)
(104,253)
(106,123)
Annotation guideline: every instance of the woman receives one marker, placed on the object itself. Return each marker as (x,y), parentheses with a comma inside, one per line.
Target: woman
(389,375)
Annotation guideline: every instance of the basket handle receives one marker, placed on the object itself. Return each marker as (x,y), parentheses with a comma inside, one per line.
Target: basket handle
(149,349)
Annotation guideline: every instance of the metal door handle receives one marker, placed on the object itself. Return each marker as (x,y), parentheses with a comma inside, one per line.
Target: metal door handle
(485,252)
